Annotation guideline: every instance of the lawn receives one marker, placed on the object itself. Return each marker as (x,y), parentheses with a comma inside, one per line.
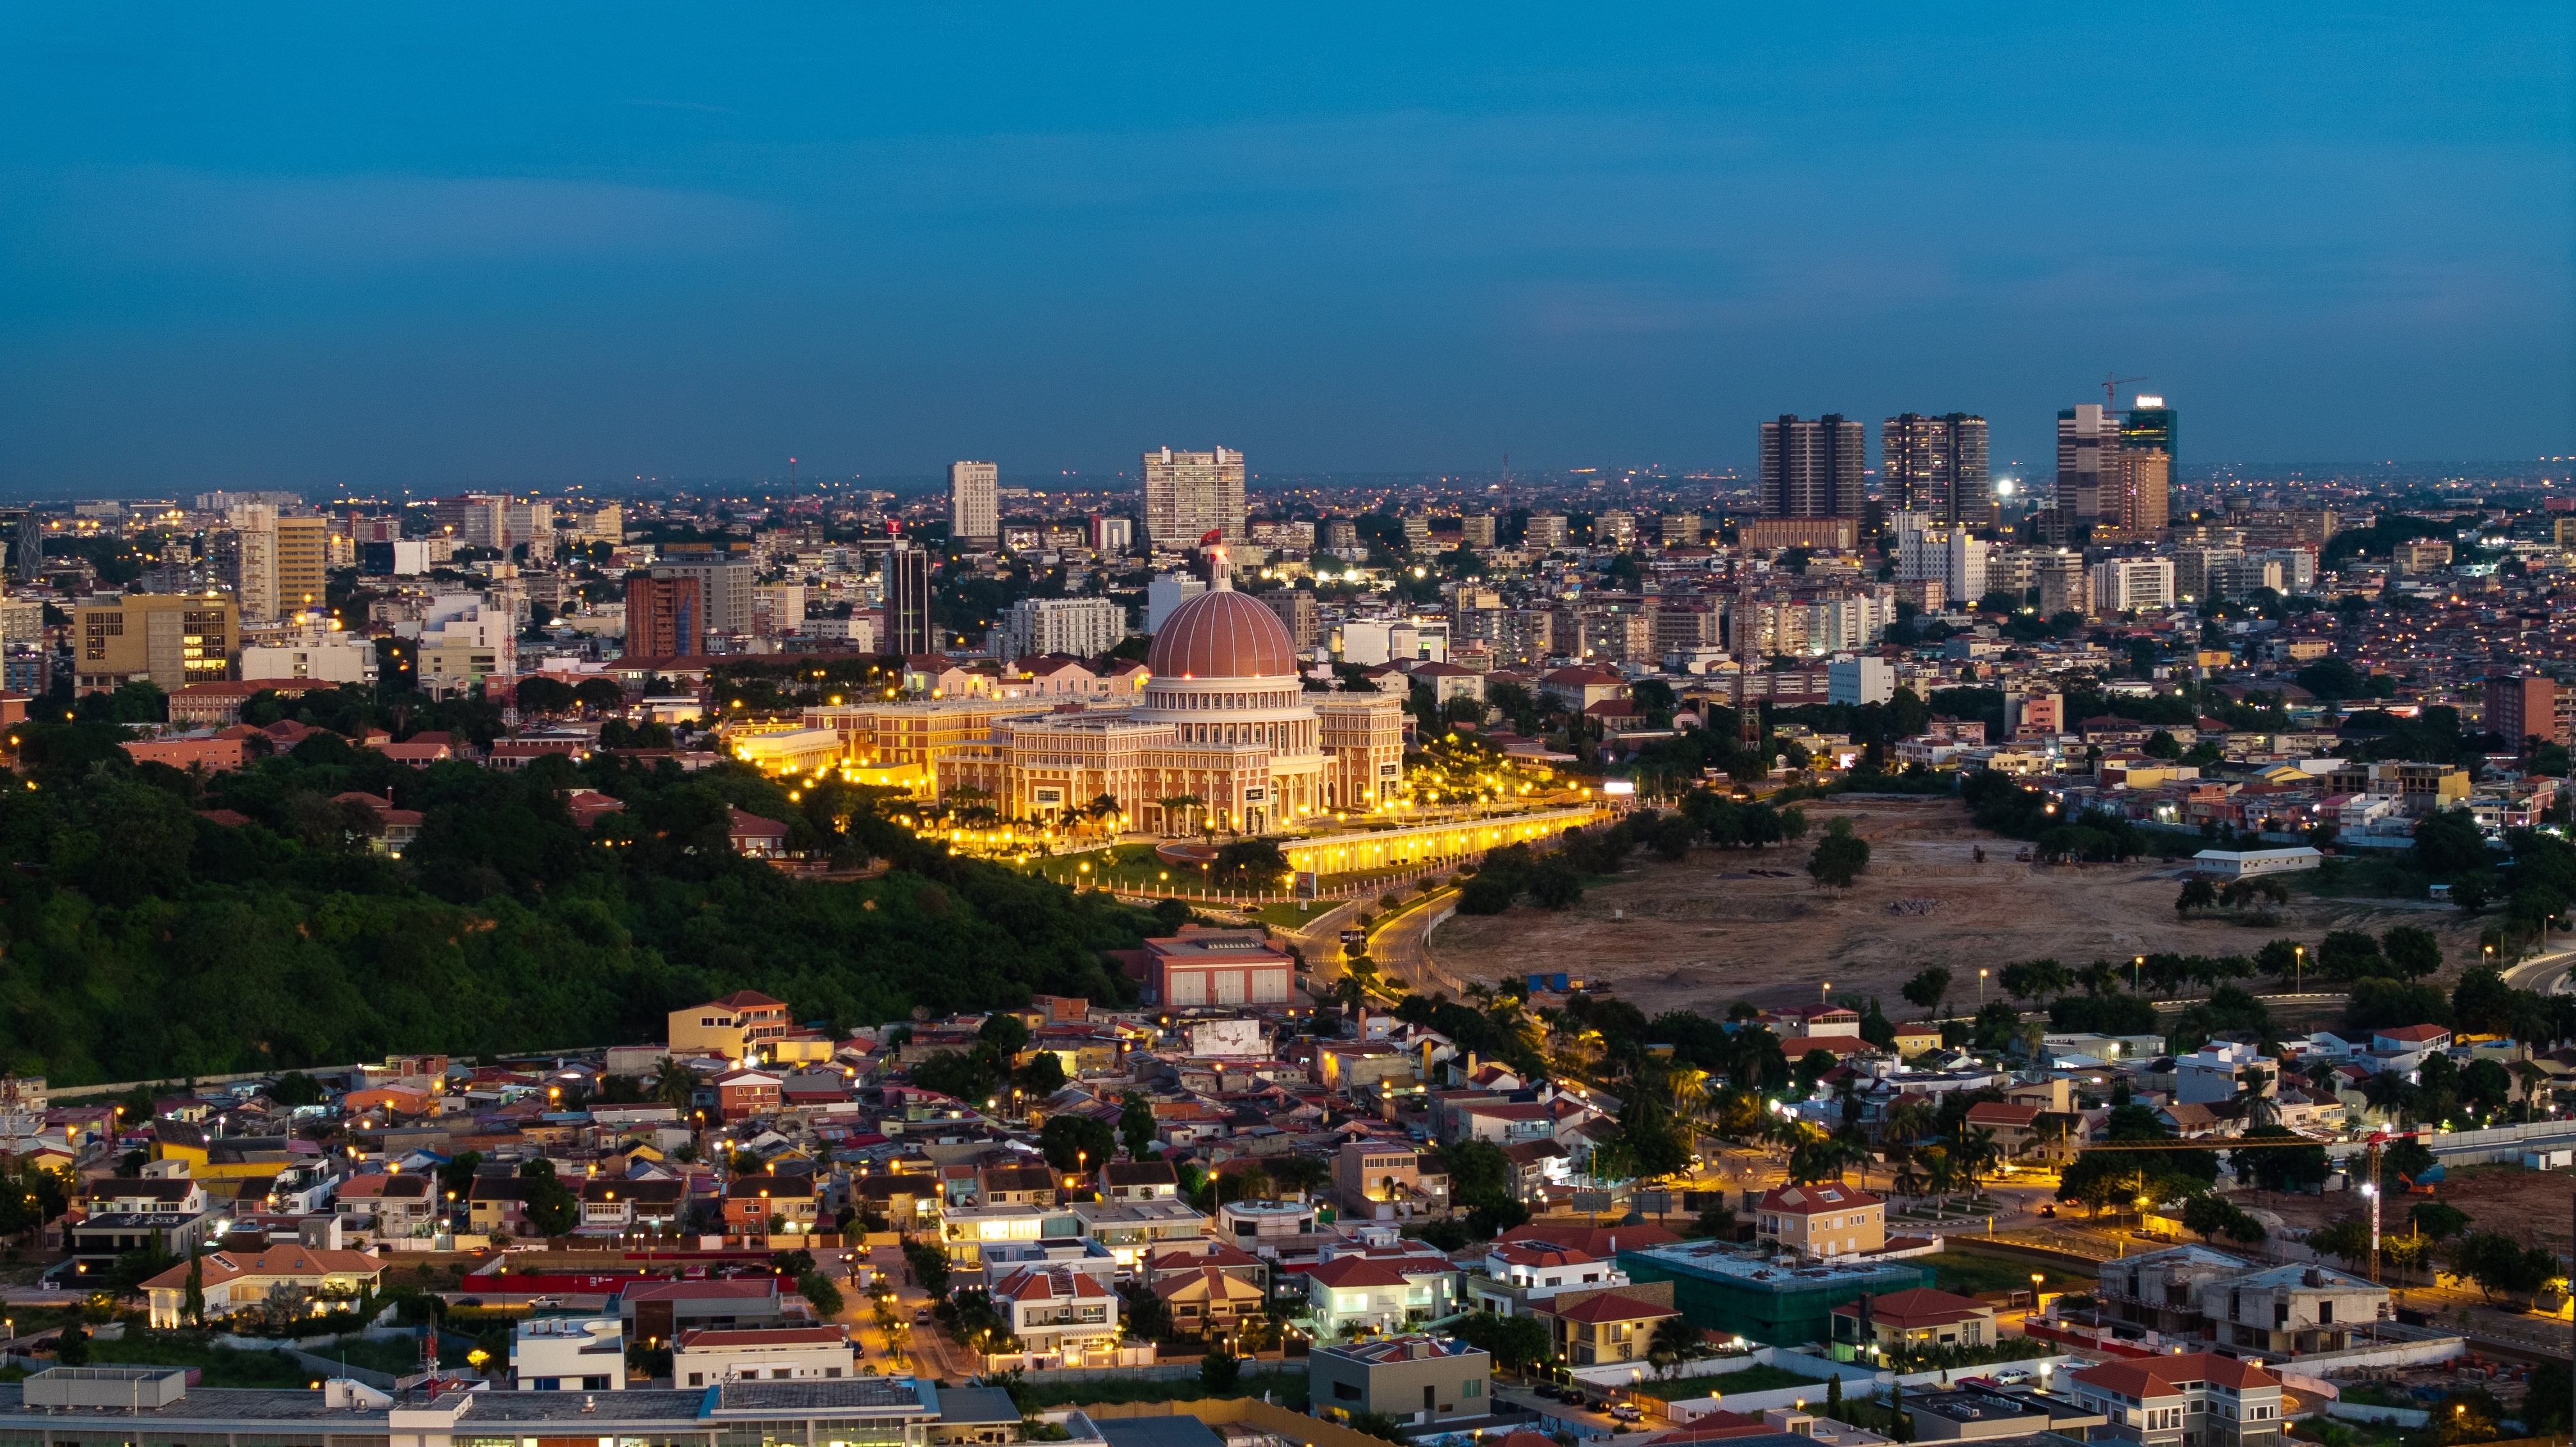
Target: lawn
(1288,1389)
(1966,1272)
(1756,1378)
(233,1367)
(222,1366)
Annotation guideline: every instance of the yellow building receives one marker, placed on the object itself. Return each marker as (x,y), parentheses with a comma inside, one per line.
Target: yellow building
(731,1027)
(171,639)
(788,751)
(1825,1219)
(213,1157)
(889,732)
(1428,843)
(302,557)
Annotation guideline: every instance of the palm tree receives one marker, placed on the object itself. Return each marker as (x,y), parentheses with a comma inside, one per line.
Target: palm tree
(2533,1080)
(1940,1173)
(1977,1153)
(1908,1182)
(1105,807)
(2323,1075)
(674,1084)
(1179,804)
(1675,1339)
(2390,1093)
(1690,1091)
(2254,1097)
(1910,1120)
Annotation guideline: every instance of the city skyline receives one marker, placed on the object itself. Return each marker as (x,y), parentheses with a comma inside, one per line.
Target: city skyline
(414,257)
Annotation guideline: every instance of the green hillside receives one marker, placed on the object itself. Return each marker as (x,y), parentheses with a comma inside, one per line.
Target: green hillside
(141,939)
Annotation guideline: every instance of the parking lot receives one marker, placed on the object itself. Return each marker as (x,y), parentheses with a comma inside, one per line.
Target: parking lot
(1594,1417)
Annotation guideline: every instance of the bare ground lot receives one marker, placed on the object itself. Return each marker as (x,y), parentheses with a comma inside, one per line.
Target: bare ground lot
(2530,1206)
(1737,925)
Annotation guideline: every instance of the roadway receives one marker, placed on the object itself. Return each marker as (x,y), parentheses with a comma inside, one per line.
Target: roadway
(908,1347)
(2546,972)
(1398,948)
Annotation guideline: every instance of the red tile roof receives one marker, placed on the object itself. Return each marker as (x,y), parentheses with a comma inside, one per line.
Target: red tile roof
(714,1338)
(2157,1376)
(1344,1271)
(1921,1306)
(1996,1112)
(1603,1242)
(1808,1200)
(1608,1306)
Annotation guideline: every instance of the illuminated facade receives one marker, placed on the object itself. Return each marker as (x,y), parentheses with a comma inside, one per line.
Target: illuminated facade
(1225,736)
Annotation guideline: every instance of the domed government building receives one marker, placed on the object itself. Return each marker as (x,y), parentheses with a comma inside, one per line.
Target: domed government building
(1225,720)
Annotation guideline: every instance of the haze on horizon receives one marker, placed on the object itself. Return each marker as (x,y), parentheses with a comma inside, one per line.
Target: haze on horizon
(313,246)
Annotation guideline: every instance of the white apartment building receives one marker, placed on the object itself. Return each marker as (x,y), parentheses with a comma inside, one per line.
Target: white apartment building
(974,501)
(569,1354)
(1860,680)
(461,648)
(317,653)
(1926,551)
(1190,494)
(711,1355)
(777,608)
(1844,619)
(1076,627)
(1167,592)
(2122,584)
(1369,641)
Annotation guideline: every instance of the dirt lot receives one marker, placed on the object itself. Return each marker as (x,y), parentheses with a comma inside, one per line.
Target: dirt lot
(1731,925)
(2531,1206)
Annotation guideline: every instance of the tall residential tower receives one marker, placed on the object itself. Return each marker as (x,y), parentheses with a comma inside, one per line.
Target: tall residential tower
(1190,494)
(1813,469)
(974,502)
(1935,465)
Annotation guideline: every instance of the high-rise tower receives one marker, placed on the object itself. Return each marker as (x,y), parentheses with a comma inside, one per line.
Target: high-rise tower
(1813,469)
(1935,465)
(2151,423)
(974,502)
(907,602)
(2088,437)
(1190,494)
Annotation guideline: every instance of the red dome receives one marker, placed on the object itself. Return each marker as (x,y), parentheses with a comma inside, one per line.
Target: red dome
(1222,634)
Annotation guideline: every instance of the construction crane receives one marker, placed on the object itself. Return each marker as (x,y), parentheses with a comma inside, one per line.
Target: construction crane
(2110,388)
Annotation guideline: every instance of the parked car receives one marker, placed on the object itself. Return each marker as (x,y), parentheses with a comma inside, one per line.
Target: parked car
(1626,1413)
(2010,1376)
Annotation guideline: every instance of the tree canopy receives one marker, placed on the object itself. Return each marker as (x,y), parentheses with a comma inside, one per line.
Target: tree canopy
(141,938)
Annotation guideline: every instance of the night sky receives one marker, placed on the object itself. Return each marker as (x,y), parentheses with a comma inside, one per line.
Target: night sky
(417,246)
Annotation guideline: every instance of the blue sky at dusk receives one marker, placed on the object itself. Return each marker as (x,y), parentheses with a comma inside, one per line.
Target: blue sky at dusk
(423,245)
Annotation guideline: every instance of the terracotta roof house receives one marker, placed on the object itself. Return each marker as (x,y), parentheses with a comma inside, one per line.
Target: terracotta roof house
(1208,1299)
(1915,1320)
(236,1281)
(756,837)
(1602,1329)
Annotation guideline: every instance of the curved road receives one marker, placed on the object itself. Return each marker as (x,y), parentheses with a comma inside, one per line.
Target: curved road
(1397,948)
(2546,972)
